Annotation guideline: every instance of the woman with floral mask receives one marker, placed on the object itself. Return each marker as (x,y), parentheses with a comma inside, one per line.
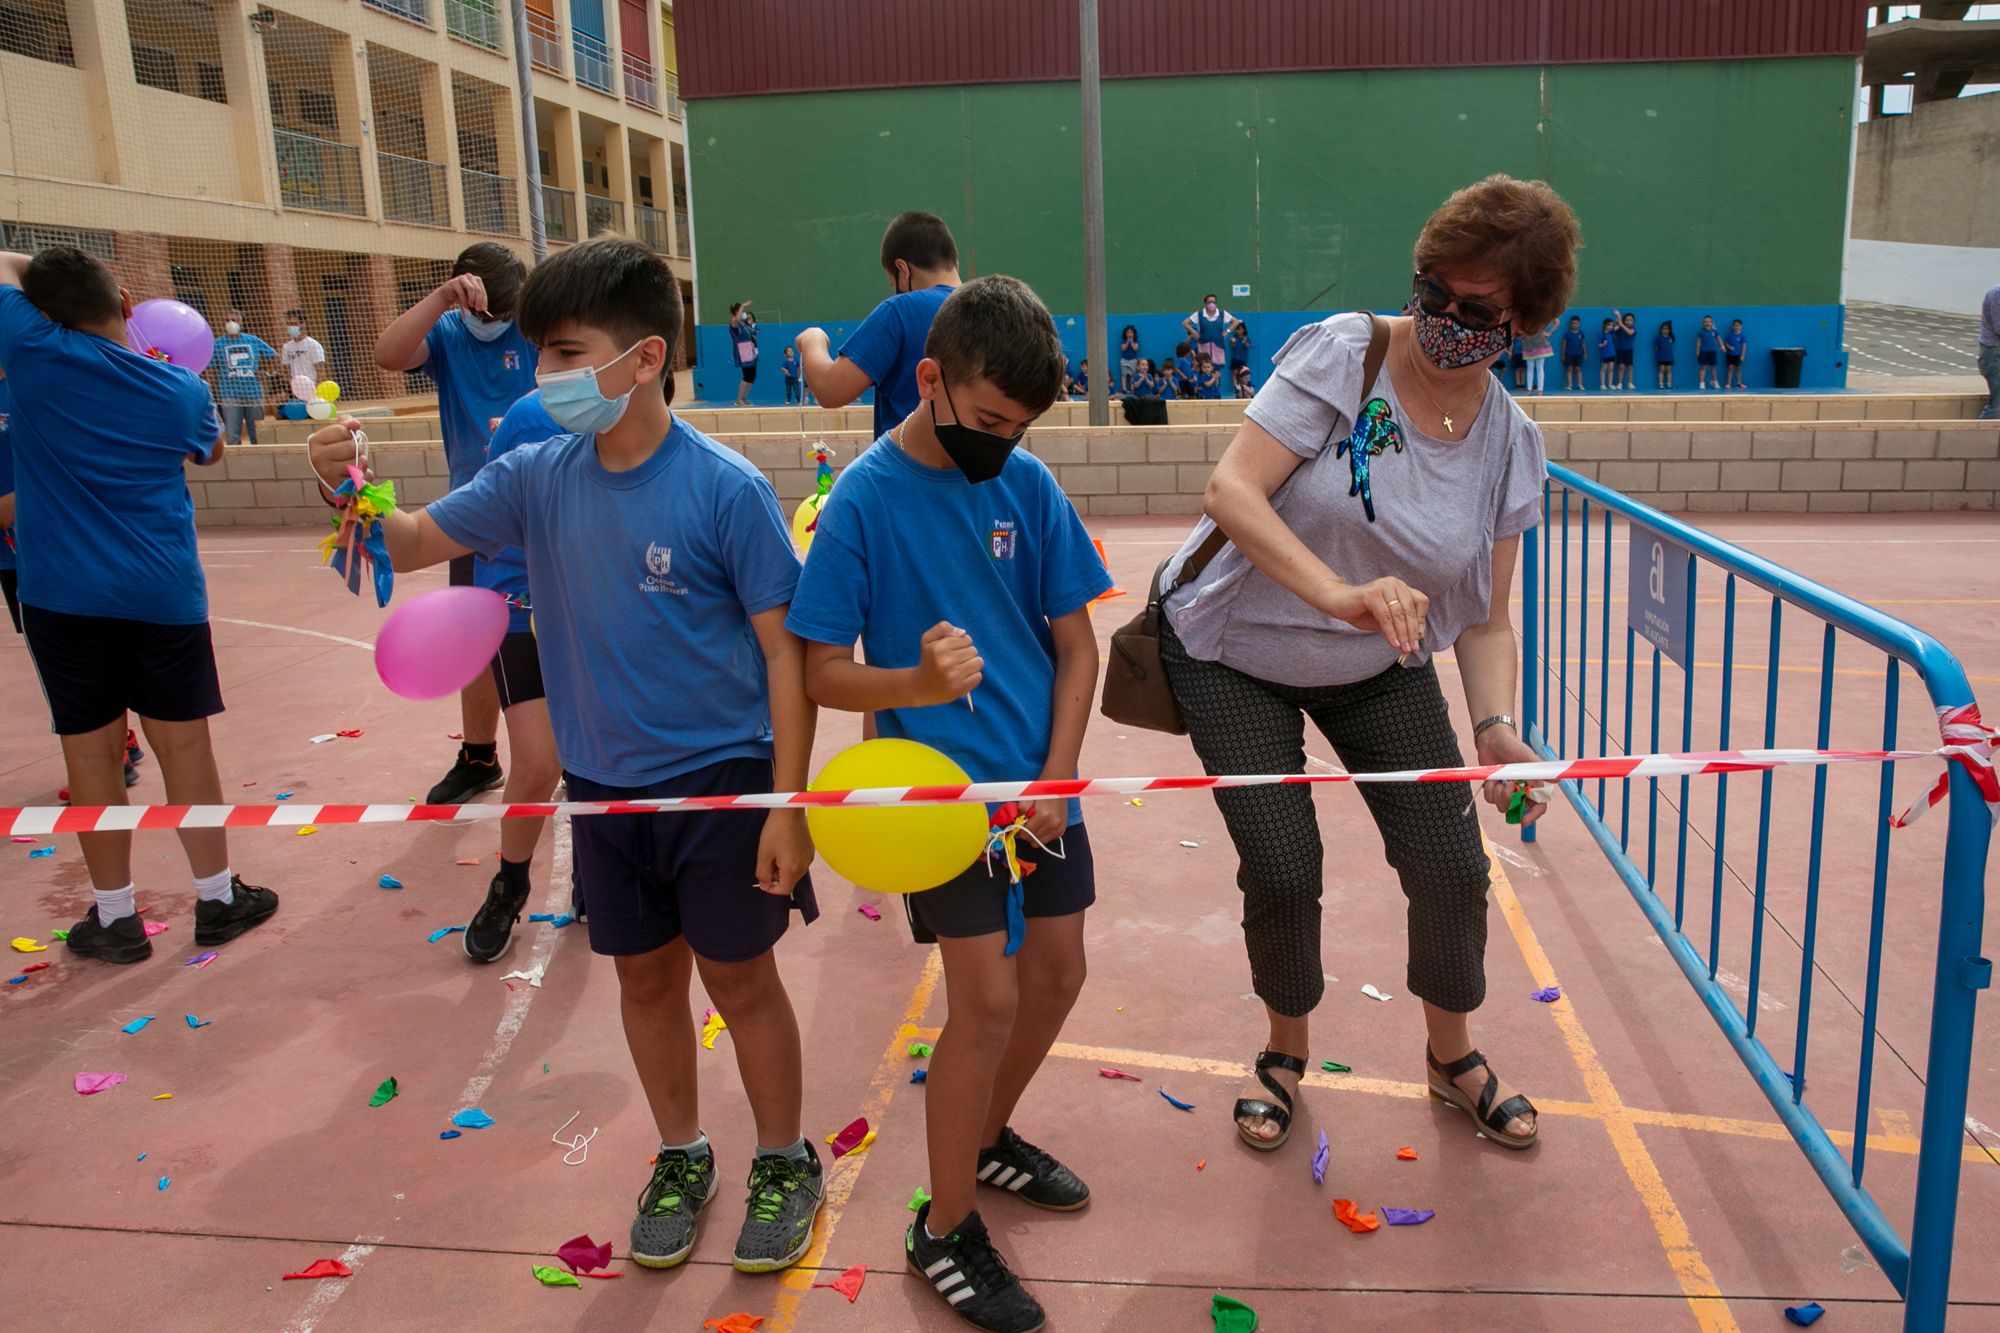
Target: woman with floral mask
(1355,529)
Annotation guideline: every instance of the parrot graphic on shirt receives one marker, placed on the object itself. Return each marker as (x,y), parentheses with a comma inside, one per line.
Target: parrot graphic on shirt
(1375,432)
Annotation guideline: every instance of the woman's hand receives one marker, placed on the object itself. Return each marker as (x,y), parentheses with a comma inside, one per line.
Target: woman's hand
(1387,605)
(1501,744)
(332,448)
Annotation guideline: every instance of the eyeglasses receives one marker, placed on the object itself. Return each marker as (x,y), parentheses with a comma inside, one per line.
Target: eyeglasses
(1475,312)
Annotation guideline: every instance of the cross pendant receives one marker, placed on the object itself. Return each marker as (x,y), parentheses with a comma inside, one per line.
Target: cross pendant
(1448,427)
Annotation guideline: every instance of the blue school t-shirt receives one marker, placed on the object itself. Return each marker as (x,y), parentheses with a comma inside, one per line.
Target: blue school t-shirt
(100,434)
(526,422)
(476,383)
(1239,348)
(1734,342)
(791,368)
(1128,348)
(1573,346)
(644,584)
(1604,345)
(1622,338)
(6,473)
(1707,342)
(1184,370)
(901,547)
(888,346)
(1663,348)
(1211,385)
(235,361)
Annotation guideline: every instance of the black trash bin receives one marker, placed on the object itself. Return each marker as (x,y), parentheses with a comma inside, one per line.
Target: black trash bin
(1786,365)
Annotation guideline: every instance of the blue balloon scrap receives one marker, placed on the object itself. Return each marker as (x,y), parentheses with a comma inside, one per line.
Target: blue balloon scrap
(1804,1315)
(1176,1102)
(449,1134)
(165,1181)
(443,931)
(472,1118)
(390,882)
(1547,995)
(1407,1217)
(555,919)
(919,1075)
(40,852)
(140,1158)
(137,1023)
(282,796)
(15,981)
(194,1022)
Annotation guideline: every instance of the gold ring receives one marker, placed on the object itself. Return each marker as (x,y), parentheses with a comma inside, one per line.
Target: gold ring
(1394,602)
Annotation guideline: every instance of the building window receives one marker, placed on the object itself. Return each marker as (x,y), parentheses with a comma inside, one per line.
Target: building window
(276,92)
(318,109)
(176,47)
(39,33)
(156,68)
(209,81)
(28,237)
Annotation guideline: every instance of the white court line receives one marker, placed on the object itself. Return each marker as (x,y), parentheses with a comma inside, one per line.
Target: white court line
(325,1293)
(294,629)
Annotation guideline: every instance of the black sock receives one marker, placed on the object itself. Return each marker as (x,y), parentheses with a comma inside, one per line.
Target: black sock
(482,754)
(515,873)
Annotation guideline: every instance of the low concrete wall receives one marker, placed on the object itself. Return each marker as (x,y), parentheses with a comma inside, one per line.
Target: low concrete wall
(1821,467)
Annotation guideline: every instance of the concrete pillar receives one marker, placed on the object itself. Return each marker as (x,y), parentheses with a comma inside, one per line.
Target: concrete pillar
(103,46)
(618,173)
(568,153)
(441,138)
(274,287)
(348,58)
(140,260)
(614,41)
(249,101)
(374,305)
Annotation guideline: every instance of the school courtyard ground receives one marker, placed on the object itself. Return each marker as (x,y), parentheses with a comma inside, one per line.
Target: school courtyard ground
(1664,1194)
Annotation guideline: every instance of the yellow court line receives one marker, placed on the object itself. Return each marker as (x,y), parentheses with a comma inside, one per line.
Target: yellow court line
(1704,1297)
(843,1175)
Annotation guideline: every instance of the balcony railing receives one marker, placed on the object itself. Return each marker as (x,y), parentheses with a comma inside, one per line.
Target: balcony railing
(318,173)
(601,214)
(545,43)
(651,224)
(416,11)
(474,21)
(682,246)
(413,190)
(670,82)
(642,87)
(559,213)
(593,62)
(489,202)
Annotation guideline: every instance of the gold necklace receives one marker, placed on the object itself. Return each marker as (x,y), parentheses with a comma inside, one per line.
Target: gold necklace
(1417,375)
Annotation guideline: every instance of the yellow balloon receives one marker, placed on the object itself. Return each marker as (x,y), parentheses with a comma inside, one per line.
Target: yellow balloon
(888,848)
(802,519)
(328,390)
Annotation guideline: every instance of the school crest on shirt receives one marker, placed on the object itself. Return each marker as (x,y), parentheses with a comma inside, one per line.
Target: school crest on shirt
(1001,540)
(659,565)
(511,360)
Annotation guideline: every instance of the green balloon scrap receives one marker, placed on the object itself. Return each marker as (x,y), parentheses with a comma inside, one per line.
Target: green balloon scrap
(920,1198)
(554,1277)
(1232,1315)
(1334,1067)
(385,1093)
(921,1050)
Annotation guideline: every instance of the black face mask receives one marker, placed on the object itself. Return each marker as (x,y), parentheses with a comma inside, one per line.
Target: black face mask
(979,454)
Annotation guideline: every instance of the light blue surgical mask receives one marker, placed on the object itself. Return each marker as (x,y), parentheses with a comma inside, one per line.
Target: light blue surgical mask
(482,328)
(573,399)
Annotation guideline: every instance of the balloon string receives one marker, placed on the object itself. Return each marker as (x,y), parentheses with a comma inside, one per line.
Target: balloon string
(579,1147)
(1002,842)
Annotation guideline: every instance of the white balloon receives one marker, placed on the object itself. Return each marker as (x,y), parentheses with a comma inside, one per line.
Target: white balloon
(302,387)
(319,409)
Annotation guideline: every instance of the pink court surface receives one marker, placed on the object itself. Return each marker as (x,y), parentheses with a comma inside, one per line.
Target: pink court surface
(1664,1194)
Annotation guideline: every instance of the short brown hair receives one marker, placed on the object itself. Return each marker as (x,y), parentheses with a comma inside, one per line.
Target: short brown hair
(921,240)
(1521,230)
(997,328)
(72,288)
(609,283)
(500,269)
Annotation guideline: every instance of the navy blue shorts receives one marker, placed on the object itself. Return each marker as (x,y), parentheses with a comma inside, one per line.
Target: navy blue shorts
(647,880)
(976,903)
(94,669)
(1704,358)
(517,670)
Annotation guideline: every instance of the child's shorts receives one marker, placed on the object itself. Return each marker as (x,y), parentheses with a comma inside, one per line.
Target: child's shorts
(1624,357)
(10,583)
(648,880)
(1128,369)
(1704,358)
(1573,363)
(517,670)
(1735,360)
(95,668)
(976,903)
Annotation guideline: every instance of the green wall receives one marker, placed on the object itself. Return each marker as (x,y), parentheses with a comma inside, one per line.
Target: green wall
(1696,182)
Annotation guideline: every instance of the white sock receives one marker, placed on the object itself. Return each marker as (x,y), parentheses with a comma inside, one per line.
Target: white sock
(113,904)
(695,1149)
(214,888)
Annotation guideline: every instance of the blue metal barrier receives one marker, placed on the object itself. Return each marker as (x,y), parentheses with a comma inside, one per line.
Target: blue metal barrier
(1578,512)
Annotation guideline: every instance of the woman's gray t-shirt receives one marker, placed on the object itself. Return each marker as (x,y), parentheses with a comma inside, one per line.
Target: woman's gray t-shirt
(1440,506)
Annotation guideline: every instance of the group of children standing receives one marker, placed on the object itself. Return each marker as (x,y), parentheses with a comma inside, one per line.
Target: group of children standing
(1718,355)
(1195,370)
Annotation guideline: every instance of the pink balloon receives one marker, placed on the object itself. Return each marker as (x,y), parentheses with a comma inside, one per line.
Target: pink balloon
(438,643)
(173,331)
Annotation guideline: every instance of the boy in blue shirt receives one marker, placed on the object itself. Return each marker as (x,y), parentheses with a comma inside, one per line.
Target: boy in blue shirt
(1607,355)
(463,336)
(1707,351)
(921,259)
(242,391)
(1183,370)
(663,568)
(1663,354)
(1079,387)
(113,602)
(791,377)
(965,573)
(1208,380)
(1734,344)
(1573,354)
(1239,348)
(1624,335)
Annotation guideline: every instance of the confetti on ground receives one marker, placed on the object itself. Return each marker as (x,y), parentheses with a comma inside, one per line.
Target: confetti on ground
(449,1134)
(281,796)
(40,852)
(1547,995)
(922,1050)
(390,882)
(140,1158)
(22,944)
(581,1254)
(1407,1217)
(555,919)
(554,1277)
(35,967)
(712,1027)
(166,1181)
(1141,804)
(155,928)
(848,1283)
(349,734)
(1373,994)
(202,960)
(1232,1315)
(467,861)
(920,1198)
(163,1096)
(58,934)
(136,1024)
(1176,1102)
(194,1022)
(1320,1155)
(1104,1072)
(1335,1067)
(1189,842)
(533,976)
(1351,1217)
(854,1138)
(870,911)
(472,1118)
(734,1323)
(307,830)
(1202,1165)
(22,838)
(916,1075)
(15,981)
(324,738)
(321,1268)
(1406,1154)
(384,1093)
(443,931)
(1804,1315)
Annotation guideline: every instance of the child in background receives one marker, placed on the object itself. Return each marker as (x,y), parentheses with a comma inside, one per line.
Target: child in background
(1536,350)
(1183,371)
(1239,348)
(1707,351)
(1734,345)
(1573,354)
(237,355)
(921,259)
(1625,336)
(113,600)
(1663,353)
(964,571)
(1079,386)
(301,355)
(1242,386)
(1128,357)
(1208,378)
(1142,381)
(1607,355)
(743,338)
(791,369)
(663,569)
(1517,351)
(464,338)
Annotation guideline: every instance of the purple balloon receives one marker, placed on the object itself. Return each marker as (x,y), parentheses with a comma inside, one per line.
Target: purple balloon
(172,331)
(438,643)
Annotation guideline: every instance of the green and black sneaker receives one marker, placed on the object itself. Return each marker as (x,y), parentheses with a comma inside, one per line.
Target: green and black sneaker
(785,1195)
(670,1207)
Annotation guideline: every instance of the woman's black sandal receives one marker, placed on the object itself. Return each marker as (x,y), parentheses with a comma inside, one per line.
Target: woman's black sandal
(1280,1115)
(1492,1119)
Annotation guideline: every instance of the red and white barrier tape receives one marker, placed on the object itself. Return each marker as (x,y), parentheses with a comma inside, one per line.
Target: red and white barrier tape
(1971,742)
(1967,742)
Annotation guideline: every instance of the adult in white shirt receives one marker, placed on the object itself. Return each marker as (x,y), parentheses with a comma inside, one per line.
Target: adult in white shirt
(301,355)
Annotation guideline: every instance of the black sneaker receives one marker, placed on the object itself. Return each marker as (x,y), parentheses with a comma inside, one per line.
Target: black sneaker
(670,1208)
(468,777)
(131,775)
(491,933)
(123,941)
(219,923)
(1019,1167)
(969,1273)
(785,1196)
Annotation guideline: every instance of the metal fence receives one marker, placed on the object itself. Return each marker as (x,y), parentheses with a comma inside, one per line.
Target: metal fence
(474,21)
(416,11)
(651,226)
(1675,564)
(601,214)
(545,43)
(318,173)
(559,214)
(489,202)
(642,85)
(593,62)
(413,190)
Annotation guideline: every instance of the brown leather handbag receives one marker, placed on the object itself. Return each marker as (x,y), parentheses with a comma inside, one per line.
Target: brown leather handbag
(1136,693)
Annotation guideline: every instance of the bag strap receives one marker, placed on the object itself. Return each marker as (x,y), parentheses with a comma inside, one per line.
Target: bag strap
(1371,367)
